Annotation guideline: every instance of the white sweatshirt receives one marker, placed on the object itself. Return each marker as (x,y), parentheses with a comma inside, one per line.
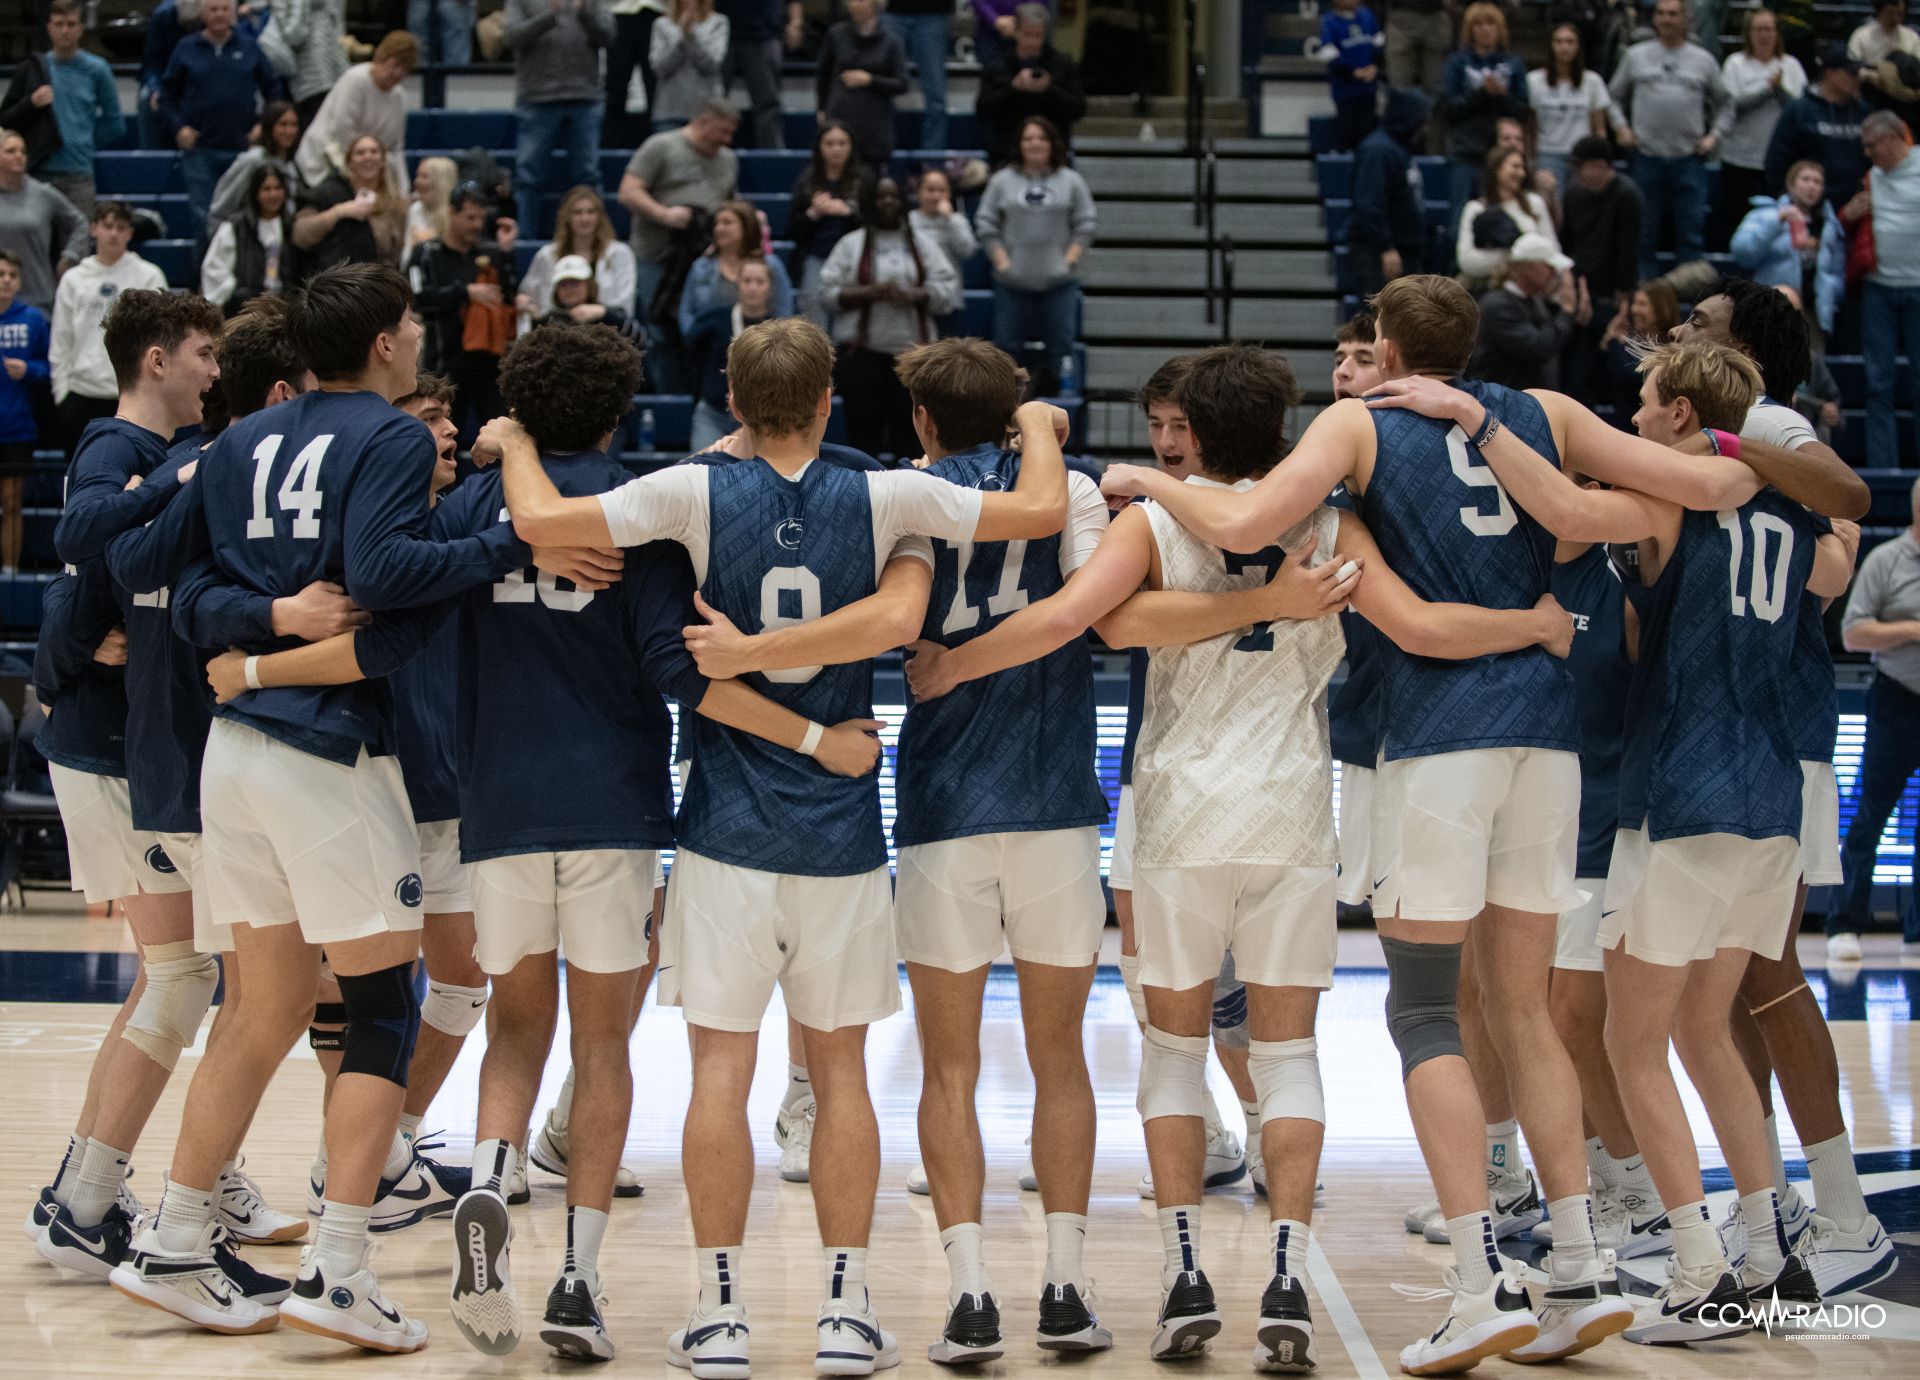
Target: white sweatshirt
(78,350)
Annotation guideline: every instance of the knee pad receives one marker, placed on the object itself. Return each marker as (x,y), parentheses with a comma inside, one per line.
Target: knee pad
(1229,1007)
(453,1010)
(1286,1079)
(329,1028)
(1136,995)
(383,1020)
(1423,1001)
(180,986)
(1173,1075)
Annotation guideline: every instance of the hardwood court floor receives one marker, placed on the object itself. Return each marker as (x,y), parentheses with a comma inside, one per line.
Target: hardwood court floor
(54,1325)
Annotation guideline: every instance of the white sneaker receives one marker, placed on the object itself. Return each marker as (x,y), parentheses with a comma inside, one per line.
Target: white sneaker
(1843,947)
(1225,1164)
(426,1188)
(484,1305)
(129,1201)
(573,1326)
(189,1284)
(1257,1168)
(514,1189)
(549,1152)
(917,1181)
(1843,1261)
(972,1334)
(42,1212)
(1029,1181)
(712,1345)
(243,1210)
(1577,1314)
(787,1117)
(350,1308)
(852,1342)
(1494,1321)
(798,1149)
(1795,1216)
(1418,1219)
(316,1189)
(1515,1203)
(1623,1223)
(1692,1306)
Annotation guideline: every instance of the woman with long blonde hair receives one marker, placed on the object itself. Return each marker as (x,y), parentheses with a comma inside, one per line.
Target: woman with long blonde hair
(581,227)
(432,184)
(355,216)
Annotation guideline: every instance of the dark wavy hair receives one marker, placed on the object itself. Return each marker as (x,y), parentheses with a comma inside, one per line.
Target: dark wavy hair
(140,320)
(1237,398)
(1770,331)
(569,385)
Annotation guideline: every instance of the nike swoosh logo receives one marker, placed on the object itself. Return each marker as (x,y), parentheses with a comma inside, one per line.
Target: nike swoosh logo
(221,1297)
(412,1195)
(482,1002)
(1641,1229)
(392,1317)
(236,1217)
(1509,1208)
(1605,913)
(1380,881)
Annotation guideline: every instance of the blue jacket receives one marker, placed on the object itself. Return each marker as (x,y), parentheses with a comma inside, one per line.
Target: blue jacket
(1389,210)
(1470,109)
(23,335)
(1764,247)
(218,94)
(1349,42)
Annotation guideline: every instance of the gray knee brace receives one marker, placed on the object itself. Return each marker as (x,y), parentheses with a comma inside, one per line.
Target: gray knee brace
(1423,1001)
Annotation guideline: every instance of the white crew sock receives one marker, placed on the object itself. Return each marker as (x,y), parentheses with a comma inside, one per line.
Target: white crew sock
(846,1271)
(1696,1245)
(102,1170)
(1772,1125)
(66,1175)
(1179,1242)
(1599,1165)
(586,1227)
(1503,1148)
(1251,1111)
(1766,1238)
(1066,1239)
(1573,1245)
(964,1245)
(1289,1240)
(1635,1180)
(399,1156)
(340,1240)
(492,1162)
(1474,1257)
(184,1215)
(799,1088)
(1836,1183)
(719,1277)
(410,1126)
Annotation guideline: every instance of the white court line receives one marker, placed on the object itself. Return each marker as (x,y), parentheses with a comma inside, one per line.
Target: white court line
(1366,1361)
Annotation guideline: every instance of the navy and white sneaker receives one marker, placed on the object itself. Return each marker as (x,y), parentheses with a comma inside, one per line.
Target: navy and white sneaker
(1577,1314)
(190,1284)
(39,1215)
(426,1188)
(242,1209)
(1070,1321)
(484,1305)
(972,1335)
(1790,1286)
(1189,1317)
(714,1346)
(549,1152)
(852,1342)
(1513,1199)
(572,1325)
(1702,1305)
(257,1285)
(1844,1261)
(316,1193)
(1480,1323)
(349,1308)
(1284,1341)
(93,1251)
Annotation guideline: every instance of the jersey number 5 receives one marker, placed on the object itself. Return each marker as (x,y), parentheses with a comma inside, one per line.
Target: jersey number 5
(1766,587)
(299,491)
(1502,519)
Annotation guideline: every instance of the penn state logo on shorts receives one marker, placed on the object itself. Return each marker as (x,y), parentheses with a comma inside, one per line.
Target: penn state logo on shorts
(158,860)
(789,533)
(409,891)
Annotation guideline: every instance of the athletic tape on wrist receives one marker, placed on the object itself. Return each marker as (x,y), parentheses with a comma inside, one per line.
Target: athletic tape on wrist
(251,671)
(811,742)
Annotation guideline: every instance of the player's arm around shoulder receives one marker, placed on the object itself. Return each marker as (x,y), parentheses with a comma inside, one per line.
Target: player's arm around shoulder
(1690,475)
(890,617)
(542,515)
(1812,475)
(1036,506)
(1833,557)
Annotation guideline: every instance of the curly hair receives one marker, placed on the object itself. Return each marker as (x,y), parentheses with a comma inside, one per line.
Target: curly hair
(1770,330)
(569,385)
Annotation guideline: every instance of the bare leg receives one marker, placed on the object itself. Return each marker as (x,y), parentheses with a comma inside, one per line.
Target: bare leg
(1291,1144)
(446,943)
(946,1012)
(526,1008)
(1483,1054)
(846,1137)
(1642,999)
(1177,1145)
(1705,1046)
(716,1147)
(1798,1044)
(600,1007)
(1515,956)
(1442,1099)
(1053,1008)
(1579,1004)
(133,1081)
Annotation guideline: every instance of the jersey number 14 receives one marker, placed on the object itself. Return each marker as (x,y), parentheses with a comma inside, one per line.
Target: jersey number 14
(299,491)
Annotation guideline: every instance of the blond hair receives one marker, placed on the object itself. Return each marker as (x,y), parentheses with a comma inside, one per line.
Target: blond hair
(1431,320)
(777,371)
(1718,380)
(1483,9)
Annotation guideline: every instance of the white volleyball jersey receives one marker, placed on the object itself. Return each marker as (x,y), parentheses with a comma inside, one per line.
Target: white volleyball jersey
(1233,764)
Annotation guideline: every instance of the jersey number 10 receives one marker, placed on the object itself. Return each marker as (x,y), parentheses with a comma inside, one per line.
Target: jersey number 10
(1766,586)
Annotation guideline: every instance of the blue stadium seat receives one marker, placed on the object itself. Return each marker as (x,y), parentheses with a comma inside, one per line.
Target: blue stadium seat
(770,170)
(1335,174)
(20,597)
(136,174)
(175,258)
(174,210)
(672,420)
(1320,134)
(976,315)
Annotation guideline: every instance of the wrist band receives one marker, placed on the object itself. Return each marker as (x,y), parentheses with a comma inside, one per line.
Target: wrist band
(1489,428)
(810,743)
(1725,443)
(251,672)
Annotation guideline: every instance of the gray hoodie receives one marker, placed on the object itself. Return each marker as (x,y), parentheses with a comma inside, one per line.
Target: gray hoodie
(1035,220)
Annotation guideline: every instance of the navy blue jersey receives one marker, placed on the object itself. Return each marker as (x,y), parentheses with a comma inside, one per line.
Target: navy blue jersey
(1136,709)
(98,505)
(1449,530)
(424,693)
(1812,699)
(1353,706)
(563,737)
(87,730)
(334,486)
(1590,590)
(1710,744)
(1013,751)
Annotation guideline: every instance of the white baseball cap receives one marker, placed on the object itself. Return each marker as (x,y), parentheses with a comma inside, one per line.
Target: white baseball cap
(575,268)
(1535,248)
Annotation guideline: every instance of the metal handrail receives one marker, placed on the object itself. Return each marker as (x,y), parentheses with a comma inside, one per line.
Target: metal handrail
(1226,288)
(1207,174)
(1196,83)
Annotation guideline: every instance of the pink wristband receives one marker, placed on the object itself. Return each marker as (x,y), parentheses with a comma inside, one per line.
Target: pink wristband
(1727,442)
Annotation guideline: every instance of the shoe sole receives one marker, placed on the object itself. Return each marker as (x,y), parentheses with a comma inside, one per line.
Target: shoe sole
(1286,1344)
(1679,1333)
(288,1234)
(413,1219)
(1094,1338)
(946,1353)
(632,1190)
(854,1365)
(343,1329)
(577,1343)
(1497,1344)
(483,1213)
(201,1318)
(1584,1336)
(711,1370)
(794,1176)
(1185,1337)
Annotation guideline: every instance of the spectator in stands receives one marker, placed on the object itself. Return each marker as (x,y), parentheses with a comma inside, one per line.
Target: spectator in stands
(1824,125)
(1761,80)
(1027,78)
(582,230)
(753,56)
(1881,37)
(1569,101)
(1420,41)
(1706,22)
(1526,322)
(1350,45)
(630,52)
(273,144)
(353,217)
(574,297)
(1649,314)
(1483,82)
(670,177)
(1796,241)
(252,251)
(556,94)
(1387,230)
(1482,246)
(936,217)
(369,99)
(83,383)
(312,31)
(714,279)
(433,184)
(1890,296)
(64,103)
(463,290)
(1036,222)
(23,374)
(1883,618)
(212,92)
(884,286)
(993,27)
(824,207)
(37,224)
(1670,107)
(686,54)
(1600,232)
(924,29)
(863,71)
(444,28)
(709,336)
(170,22)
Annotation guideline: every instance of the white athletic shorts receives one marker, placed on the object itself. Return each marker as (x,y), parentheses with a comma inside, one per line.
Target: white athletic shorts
(1354,883)
(107,857)
(1819,824)
(1577,943)
(183,851)
(1279,921)
(733,932)
(961,902)
(1682,899)
(290,838)
(592,905)
(448,881)
(1120,870)
(1456,832)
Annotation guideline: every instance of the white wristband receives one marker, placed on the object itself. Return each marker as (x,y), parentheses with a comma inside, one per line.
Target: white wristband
(811,742)
(251,672)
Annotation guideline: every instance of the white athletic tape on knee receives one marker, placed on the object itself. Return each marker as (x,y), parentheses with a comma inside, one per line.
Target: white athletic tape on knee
(453,1010)
(1286,1079)
(180,986)
(1173,1075)
(1130,974)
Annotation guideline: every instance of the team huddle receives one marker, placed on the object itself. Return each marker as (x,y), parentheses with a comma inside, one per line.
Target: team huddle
(1586,733)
